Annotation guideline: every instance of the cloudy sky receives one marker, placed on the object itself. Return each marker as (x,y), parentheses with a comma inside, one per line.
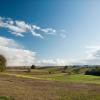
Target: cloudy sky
(50,32)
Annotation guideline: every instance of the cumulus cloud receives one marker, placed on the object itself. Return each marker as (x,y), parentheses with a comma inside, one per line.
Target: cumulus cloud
(18,28)
(15,55)
(7,42)
(49,31)
(91,57)
(52,62)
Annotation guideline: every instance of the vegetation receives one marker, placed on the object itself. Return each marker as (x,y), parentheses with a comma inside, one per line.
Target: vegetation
(33,67)
(66,67)
(94,71)
(35,89)
(72,74)
(2,63)
(6,98)
(73,78)
(51,83)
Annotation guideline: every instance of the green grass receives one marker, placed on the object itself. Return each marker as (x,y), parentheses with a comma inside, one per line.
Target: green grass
(62,77)
(67,93)
(63,92)
(74,78)
(6,98)
(55,73)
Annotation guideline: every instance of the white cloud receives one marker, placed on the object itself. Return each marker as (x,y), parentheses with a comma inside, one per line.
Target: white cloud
(53,62)
(9,24)
(7,42)
(15,55)
(36,27)
(36,34)
(22,25)
(49,31)
(18,28)
(91,57)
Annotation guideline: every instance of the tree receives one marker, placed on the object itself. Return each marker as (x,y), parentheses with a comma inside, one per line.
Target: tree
(65,67)
(33,67)
(2,63)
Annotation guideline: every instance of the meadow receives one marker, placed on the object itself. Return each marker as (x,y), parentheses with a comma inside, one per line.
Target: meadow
(48,84)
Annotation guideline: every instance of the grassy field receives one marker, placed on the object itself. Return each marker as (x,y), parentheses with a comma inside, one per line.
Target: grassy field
(6,98)
(41,85)
(56,75)
(62,77)
(74,78)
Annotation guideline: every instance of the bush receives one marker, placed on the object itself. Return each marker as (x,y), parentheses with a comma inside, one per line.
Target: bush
(93,72)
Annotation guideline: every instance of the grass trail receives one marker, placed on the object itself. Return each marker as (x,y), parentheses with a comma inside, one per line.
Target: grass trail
(22,76)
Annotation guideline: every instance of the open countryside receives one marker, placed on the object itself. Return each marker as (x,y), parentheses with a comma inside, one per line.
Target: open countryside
(49,49)
(50,83)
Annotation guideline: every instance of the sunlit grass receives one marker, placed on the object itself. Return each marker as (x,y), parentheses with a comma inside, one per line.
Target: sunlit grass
(75,78)
(74,91)
(62,77)
(6,98)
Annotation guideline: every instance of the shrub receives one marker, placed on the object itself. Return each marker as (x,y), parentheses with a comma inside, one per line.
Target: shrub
(93,72)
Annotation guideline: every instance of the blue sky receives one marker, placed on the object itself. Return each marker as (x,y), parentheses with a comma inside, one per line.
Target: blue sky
(75,22)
